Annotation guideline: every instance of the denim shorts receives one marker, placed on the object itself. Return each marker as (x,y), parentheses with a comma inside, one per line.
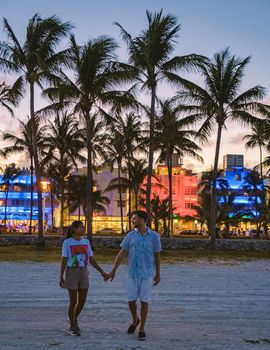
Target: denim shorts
(77,278)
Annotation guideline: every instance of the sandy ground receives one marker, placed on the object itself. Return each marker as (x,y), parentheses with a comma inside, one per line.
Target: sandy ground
(201,305)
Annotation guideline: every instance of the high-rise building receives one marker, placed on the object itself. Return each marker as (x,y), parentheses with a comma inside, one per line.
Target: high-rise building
(233,161)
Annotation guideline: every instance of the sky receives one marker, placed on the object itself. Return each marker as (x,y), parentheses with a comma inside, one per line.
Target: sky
(207,26)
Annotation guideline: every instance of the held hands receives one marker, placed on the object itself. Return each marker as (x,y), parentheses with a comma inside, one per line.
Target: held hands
(156,279)
(105,276)
(109,276)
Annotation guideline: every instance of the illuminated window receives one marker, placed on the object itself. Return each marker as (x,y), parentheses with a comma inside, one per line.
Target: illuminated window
(190,191)
(188,205)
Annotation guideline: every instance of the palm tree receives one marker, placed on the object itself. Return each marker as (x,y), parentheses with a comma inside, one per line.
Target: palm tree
(150,53)
(10,96)
(173,136)
(96,74)
(23,143)
(203,209)
(50,172)
(253,186)
(258,138)
(10,173)
(34,60)
(115,153)
(137,175)
(63,146)
(131,129)
(159,211)
(77,197)
(218,103)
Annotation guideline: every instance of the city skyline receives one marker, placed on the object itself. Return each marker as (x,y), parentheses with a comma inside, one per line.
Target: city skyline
(207,27)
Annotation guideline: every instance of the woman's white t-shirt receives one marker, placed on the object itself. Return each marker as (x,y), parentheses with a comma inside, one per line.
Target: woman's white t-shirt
(76,252)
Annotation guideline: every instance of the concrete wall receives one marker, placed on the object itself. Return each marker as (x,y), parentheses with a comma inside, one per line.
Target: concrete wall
(167,243)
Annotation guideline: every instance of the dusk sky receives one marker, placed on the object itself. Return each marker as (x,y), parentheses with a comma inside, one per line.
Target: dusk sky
(207,26)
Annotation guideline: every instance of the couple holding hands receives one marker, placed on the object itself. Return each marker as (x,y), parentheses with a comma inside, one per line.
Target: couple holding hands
(142,245)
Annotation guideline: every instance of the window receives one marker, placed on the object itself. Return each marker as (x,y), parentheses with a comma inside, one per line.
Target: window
(119,204)
(188,205)
(190,190)
(17,188)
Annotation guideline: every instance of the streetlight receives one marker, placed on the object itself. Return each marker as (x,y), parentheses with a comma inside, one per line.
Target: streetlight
(44,185)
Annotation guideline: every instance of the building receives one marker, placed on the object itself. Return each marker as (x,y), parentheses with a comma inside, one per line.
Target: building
(184,191)
(112,217)
(236,177)
(233,161)
(19,202)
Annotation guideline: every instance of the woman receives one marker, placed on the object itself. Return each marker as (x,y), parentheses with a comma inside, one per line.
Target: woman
(76,253)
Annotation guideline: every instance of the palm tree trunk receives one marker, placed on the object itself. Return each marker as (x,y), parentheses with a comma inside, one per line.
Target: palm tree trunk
(52,206)
(120,197)
(41,240)
(31,194)
(62,208)
(89,183)
(170,221)
(129,198)
(214,189)
(265,227)
(151,155)
(6,203)
(136,201)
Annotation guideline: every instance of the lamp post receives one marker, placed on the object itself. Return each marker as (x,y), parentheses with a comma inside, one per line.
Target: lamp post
(44,188)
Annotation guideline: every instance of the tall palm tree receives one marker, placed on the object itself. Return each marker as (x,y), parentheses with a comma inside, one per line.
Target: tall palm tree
(218,103)
(10,173)
(97,73)
(34,60)
(150,53)
(115,154)
(23,143)
(173,136)
(130,126)
(63,144)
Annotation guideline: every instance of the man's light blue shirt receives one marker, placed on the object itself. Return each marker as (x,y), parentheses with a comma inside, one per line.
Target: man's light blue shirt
(141,249)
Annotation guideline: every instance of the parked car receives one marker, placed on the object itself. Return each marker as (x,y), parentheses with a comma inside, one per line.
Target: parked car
(106,231)
(253,233)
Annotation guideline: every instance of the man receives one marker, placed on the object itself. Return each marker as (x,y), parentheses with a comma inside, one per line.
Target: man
(143,248)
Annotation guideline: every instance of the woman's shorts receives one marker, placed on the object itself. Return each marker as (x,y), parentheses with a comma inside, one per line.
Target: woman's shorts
(77,278)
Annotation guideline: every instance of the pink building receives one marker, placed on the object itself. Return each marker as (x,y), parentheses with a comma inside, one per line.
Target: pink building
(184,185)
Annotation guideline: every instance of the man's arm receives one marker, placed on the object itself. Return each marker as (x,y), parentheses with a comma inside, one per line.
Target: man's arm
(157,263)
(62,270)
(123,253)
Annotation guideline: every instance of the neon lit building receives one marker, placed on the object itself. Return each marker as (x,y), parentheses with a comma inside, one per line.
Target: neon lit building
(236,175)
(18,203)
(184,190)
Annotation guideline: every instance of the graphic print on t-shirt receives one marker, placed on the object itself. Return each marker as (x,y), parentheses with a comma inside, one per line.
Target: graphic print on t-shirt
(79,255)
